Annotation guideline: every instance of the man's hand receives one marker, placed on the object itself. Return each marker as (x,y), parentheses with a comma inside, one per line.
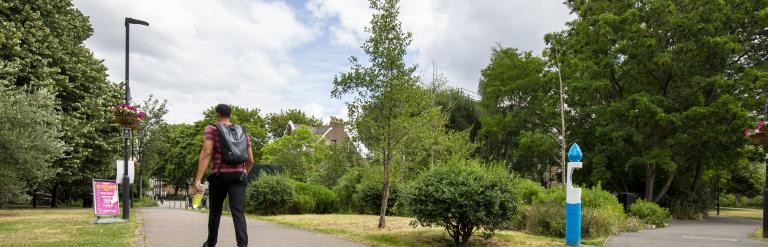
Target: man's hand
(198,186)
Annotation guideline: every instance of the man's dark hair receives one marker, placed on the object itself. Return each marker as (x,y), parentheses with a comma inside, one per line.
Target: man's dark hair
(223,110)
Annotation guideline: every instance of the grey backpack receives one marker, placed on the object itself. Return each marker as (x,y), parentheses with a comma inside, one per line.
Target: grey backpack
(234,144)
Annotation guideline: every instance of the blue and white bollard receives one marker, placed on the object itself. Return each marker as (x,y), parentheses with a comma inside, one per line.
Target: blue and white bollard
(573,200)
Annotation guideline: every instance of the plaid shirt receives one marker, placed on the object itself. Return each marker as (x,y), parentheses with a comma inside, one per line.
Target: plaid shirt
(212,133)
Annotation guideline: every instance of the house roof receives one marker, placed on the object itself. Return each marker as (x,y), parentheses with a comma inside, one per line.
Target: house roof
(322,130)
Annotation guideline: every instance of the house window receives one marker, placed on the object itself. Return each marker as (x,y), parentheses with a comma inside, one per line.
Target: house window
(333,141)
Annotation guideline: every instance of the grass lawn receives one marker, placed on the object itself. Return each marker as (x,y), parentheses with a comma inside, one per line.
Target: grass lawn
(363,228)
(62,227)
(759,234)
(755,214)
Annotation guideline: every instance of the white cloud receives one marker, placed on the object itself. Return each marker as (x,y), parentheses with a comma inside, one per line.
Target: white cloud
(457,35)
(353,16)
(275,55)
(199,53)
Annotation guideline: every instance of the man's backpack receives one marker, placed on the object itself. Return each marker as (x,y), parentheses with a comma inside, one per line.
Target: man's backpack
(234,144)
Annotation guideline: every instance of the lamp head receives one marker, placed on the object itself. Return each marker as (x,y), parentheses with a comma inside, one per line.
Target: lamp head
(129,20)
(574,155)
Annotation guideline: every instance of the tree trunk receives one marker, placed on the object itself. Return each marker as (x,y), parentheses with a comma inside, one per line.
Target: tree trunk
(54,193)
(697,177)
(666,185)
(650,178)
(34,198)
(385,191)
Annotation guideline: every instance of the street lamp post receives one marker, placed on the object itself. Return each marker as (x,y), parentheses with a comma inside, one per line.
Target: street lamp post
(126,130)
(765,187)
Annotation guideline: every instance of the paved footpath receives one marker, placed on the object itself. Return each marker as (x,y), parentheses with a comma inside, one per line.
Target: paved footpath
(715,231)
(175,227)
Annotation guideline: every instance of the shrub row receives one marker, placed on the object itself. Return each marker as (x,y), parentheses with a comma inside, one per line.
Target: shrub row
(730,200)
(544,212)
(360,189)
(270,195)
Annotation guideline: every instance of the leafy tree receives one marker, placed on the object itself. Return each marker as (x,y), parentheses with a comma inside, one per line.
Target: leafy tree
(42,44)
(178,162)
(30,132)
(276,122)
(388,101)
(150,139)
(520,98)
(295,152)
(662,88)
(463,111)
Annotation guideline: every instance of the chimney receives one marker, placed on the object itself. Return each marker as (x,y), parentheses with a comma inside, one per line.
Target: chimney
(337,123)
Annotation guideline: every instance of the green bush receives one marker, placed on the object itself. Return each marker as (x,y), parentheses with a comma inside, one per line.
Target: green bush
(463,196)
(527,189)
(301,204)
(270,195)
(545,218)
(650,213)
(730,200)
(319,199)
(690,205)
(367,197)
(345,188)
(602,215)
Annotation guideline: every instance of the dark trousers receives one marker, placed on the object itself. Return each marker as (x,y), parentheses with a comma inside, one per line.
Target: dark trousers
(232,183)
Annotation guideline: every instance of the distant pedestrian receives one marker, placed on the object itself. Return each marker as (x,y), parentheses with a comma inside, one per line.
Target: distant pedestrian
(230,148)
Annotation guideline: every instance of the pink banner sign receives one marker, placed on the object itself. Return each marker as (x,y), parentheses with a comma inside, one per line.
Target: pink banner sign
(105,197)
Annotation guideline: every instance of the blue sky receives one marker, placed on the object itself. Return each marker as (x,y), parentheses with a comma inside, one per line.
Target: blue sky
(275,55)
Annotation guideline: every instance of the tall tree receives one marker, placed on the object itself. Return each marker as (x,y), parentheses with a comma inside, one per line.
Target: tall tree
(276,122)
(44,41)
(30,134)
(388,101)
(662,87)
(149,139)
(520,97)
(178,163)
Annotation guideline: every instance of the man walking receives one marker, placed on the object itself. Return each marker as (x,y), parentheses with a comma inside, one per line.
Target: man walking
(230,147)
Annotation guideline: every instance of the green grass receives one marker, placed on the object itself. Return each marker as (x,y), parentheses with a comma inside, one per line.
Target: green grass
(758,234)
(62,227)
(363,229)
(748,213)
(145,202)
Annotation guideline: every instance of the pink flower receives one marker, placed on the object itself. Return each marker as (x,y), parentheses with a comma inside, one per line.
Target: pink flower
(760,125)
(141,115)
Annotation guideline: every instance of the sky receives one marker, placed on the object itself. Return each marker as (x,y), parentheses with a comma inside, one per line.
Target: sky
(279,55)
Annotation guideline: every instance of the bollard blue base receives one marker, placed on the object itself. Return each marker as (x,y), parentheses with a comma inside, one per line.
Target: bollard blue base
(572,224)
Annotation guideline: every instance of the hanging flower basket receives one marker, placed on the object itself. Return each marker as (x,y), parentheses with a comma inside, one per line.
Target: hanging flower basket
(134,126)
(127,115)
(758,136)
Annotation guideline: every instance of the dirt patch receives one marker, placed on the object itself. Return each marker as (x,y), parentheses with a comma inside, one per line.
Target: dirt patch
(7,215)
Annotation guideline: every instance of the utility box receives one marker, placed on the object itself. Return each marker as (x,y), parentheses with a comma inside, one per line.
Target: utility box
(626,199)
